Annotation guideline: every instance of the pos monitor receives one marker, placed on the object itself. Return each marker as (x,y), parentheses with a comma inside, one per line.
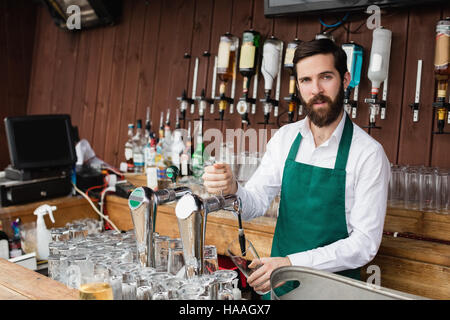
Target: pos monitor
(40,142)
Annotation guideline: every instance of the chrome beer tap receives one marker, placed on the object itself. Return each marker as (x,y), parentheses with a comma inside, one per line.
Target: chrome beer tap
(143,203)
(192,212)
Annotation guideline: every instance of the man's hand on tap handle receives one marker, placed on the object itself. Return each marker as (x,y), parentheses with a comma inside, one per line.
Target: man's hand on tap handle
(219,178)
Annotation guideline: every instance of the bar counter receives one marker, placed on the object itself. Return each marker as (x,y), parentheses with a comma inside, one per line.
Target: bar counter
(412,265)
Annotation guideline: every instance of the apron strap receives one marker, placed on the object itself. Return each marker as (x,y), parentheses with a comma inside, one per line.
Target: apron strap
(294,147)
(344,144)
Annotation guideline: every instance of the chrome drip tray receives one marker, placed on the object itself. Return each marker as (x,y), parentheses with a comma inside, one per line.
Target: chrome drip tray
(321,285)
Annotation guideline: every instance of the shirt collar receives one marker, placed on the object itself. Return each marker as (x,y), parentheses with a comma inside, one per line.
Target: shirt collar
(305,130)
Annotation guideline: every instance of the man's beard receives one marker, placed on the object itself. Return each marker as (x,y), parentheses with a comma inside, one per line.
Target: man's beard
(324,116)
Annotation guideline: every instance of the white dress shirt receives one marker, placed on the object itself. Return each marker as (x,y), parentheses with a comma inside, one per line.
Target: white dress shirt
(367,179)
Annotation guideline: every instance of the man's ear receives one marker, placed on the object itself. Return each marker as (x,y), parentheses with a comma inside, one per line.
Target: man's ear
(346,80)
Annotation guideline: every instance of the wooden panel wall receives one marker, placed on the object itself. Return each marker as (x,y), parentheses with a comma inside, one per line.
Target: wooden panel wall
(17,27)
(107,77)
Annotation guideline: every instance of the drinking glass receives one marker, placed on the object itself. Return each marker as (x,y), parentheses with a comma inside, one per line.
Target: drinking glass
(242,257)
(412,188)
(175,258)
(129,285)
(427,189)
(225,280)
(191,291)
(59,234)
(397,186)
(443,191)
(210,263)
(53,266)
(144,293)
(161,253)
(95,291)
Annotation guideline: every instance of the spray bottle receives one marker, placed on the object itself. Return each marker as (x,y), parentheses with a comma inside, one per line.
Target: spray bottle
(43,236)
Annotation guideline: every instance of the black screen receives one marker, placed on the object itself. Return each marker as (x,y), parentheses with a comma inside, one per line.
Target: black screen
(40,141)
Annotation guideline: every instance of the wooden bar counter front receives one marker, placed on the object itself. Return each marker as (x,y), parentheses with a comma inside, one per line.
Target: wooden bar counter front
(409,265)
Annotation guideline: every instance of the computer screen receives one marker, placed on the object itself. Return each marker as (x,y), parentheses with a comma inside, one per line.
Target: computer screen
(40,141)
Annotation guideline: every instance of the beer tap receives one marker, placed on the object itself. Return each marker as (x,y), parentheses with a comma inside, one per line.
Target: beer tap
(143,203)
(271,68)
(292,99)
(192,212)
(354,54)
(378,71)
(415,106)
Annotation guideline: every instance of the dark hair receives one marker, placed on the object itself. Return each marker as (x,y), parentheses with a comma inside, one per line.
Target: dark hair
(322,46)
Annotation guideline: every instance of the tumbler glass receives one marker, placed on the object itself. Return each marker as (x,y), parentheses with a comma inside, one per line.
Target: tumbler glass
(443,191)
(225,280)
(175,258)
(412,188)
(428,189)
(397,186)
(161,253)
(95,291)
(242,257)
(54,266)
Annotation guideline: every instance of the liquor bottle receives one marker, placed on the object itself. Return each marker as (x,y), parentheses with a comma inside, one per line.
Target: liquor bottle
(226,57)
(249,54)
(198,156)
(151,170)
(379,58)
(138,149)
(129,149)
(442,70)
(168,140)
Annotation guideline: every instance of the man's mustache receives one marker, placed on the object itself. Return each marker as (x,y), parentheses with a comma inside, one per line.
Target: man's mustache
(319,98)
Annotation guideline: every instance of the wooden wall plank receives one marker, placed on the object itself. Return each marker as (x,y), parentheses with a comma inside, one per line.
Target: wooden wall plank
(118,66)
(102,108)
(177,18)
(17,31)
(43,66)
(90,95)
(221,23)
(168,29)
(285,29)
(148,63)
(65,69)
(201,38)
(133,60)
(422,25)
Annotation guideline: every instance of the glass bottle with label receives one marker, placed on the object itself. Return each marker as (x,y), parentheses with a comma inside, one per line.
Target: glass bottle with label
(289,65)
(442,69)
(198,156)
(226,67)
(129,149)
(138,149)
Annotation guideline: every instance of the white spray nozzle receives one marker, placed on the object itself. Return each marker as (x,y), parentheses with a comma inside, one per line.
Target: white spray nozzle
(44,209)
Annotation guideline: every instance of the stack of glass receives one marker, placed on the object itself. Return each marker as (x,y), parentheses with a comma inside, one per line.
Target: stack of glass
(78,258)
(420,188)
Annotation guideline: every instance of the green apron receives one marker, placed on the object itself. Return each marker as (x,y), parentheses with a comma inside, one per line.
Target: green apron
(312,206)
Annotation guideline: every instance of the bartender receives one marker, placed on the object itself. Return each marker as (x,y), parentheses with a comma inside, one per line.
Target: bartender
(332,175)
